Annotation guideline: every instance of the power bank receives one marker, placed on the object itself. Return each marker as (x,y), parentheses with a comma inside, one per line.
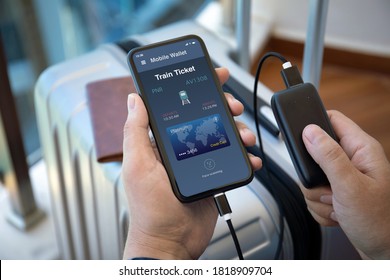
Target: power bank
(295,108)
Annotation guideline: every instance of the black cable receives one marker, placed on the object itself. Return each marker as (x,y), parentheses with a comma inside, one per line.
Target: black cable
(235,239)
(278,194)
(225,211)
(264,158)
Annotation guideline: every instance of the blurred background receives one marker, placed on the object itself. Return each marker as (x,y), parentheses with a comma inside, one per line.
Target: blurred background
(36,34)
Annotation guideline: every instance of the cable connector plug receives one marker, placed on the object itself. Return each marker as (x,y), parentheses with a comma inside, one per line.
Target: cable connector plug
(223,206)
(225,211)
(291,75)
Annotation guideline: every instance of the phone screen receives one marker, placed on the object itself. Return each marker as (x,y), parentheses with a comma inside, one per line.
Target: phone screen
(192,125)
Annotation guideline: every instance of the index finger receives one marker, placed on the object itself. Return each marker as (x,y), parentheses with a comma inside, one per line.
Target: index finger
(223,74)
(351,136)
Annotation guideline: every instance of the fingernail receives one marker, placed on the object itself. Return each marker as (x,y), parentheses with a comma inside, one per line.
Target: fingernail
(311,132)
(326,198)
(333,216)
(237,101)
(246,130)
(232,98)
(130,102)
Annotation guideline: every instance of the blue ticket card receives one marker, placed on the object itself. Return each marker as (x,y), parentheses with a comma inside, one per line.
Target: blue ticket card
(198,137)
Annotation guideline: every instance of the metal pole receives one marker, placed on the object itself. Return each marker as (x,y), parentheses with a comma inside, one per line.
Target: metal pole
(243,20)
(24,211)
(314,45)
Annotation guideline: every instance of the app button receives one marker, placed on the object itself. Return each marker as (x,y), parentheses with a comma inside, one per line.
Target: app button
(209,164)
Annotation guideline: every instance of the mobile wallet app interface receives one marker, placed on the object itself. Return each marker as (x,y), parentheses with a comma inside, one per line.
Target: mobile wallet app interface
(192,123)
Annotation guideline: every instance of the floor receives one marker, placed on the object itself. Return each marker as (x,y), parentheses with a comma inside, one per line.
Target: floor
(37,242)
(363,96)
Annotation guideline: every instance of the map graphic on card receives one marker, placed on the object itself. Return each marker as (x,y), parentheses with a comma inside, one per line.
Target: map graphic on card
(198,137)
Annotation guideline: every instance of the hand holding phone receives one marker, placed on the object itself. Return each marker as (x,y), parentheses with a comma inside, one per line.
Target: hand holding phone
(151,202)
(194,131)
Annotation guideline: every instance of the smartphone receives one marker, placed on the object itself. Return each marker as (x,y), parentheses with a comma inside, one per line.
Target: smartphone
(192,125)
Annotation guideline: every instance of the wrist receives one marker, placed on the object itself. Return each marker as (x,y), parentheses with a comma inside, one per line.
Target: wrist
(155,247)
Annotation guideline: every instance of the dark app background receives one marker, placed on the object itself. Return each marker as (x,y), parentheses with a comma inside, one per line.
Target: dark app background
(216,165)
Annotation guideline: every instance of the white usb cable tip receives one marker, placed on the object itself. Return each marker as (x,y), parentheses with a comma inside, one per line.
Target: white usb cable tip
(287,65)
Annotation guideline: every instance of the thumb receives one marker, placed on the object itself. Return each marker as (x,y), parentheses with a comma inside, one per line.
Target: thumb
(328,154)
(136,142)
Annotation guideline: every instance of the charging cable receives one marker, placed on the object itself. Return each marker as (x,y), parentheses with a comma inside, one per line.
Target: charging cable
(272,188)
(291,77)
(224,211)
